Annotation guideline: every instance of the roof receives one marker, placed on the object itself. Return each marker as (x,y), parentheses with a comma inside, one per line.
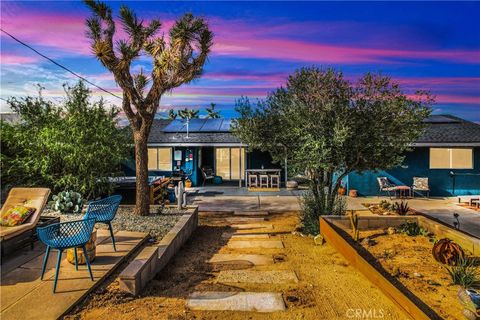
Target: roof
(162,133)
(448,130)
(441,130)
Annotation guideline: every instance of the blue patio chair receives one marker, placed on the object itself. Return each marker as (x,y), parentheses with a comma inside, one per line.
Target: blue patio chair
(104,210)
(66,235)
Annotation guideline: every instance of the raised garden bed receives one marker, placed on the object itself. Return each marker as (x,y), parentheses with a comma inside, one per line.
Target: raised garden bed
(402,266)
(157,224)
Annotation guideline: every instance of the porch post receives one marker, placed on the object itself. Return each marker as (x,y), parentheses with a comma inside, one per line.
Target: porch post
(240,168)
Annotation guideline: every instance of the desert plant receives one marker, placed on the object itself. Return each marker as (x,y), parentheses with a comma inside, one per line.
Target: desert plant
(67,202)
(464,273)
(456,223)
(401,208)
(212,113)
(412,229)
(447,252)
(354,223)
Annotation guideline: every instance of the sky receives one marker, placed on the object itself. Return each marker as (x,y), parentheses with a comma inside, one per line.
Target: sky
(432,46)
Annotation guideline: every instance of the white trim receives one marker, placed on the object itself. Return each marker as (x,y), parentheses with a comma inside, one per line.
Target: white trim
(444,144)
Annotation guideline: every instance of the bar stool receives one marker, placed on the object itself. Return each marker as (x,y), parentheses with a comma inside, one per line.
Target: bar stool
(264,180)
(274,181)
(252,180)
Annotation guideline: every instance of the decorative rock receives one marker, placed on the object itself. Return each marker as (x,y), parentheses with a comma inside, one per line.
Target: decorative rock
(391,230)
(417,275)
(319,240)
(292,184)
(433,283)
(368,242)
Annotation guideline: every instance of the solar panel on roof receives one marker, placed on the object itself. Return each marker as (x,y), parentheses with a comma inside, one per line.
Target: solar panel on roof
(194,125)
(226,124)
(174,126)
(211,125)
(440,119)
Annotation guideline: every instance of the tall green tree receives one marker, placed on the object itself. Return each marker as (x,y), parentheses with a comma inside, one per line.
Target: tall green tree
(75,145)
(326,127)
(176,61)
(212,113)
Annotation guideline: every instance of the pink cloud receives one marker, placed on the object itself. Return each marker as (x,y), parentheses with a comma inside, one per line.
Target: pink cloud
(9,58)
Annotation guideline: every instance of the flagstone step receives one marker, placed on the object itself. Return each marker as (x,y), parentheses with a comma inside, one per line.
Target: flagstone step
(254,259)
(236,236)
(236,301)
(260,244)
(252,226)
(254,276)
(251,213)
(244,219)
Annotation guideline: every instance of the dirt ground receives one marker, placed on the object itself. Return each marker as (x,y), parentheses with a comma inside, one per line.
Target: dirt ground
(406,256)
(328,288)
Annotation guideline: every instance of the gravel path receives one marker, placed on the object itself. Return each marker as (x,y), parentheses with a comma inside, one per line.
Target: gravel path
(157,224)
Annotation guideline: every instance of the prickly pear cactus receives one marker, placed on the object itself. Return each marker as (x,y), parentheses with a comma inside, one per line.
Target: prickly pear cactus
(447,252)
(67,202)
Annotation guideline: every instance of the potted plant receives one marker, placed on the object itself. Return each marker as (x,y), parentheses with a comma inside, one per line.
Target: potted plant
(342,190)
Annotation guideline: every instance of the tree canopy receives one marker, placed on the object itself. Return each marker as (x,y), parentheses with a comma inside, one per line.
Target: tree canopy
(74,145)
(326,127)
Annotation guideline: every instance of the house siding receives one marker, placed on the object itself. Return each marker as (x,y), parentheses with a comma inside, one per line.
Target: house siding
(416,164)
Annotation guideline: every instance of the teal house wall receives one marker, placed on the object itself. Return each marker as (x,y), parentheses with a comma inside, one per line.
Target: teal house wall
(416,164)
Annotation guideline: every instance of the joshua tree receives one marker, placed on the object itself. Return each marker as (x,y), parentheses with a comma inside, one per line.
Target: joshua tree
(212,114)
(176,61)
(172,114)
(188,113)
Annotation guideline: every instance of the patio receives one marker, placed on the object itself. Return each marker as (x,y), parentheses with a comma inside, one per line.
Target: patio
(22,290)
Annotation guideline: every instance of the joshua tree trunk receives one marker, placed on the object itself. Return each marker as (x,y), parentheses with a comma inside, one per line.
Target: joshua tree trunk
(142,191)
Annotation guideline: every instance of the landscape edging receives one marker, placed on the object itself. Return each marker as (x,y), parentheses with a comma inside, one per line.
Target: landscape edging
(152,259)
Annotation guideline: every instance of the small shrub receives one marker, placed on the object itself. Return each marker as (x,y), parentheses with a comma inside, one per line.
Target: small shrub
(385,205)
(401,208)
(310,213)
(465,273)
(67,202)
(412,229)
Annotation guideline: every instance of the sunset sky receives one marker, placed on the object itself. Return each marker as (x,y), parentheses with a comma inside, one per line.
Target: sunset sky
(430,45)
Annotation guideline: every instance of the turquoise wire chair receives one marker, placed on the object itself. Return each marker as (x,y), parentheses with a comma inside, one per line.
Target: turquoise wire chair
(104,211)
(66,235)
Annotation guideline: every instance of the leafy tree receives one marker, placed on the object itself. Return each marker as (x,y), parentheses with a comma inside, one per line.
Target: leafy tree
(172,115)
(211,113)
(326,127)
(188,113)
(176,61)
(76,145)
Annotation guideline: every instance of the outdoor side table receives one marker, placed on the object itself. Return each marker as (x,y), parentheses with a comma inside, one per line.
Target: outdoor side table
(403,191)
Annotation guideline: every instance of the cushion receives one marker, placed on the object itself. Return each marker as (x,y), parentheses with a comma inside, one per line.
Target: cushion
(16,216)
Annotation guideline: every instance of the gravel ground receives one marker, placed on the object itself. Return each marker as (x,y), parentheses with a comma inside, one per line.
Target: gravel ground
(157,224)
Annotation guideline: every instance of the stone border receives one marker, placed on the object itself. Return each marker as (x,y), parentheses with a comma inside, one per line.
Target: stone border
(391,287)
(152,259)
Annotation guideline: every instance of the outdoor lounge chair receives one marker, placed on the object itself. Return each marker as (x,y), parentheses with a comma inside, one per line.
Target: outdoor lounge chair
(207,174)
(386,186)
(420,184)
(13,237)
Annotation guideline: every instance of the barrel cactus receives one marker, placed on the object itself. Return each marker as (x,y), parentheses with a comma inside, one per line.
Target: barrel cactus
(67,202)
(447,252)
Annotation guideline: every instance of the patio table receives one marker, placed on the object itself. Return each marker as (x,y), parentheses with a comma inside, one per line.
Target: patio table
(403,191)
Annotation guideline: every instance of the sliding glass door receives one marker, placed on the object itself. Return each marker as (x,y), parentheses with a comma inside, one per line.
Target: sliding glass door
(230,163)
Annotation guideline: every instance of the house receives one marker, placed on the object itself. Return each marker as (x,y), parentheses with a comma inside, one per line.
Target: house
(175,145)
(447,153)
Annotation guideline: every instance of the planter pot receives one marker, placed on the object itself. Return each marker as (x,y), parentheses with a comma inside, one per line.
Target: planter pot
(188,184)
(353,193)
(91,251)
(342,191)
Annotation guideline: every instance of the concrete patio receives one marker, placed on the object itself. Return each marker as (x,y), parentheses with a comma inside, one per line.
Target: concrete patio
(25,296)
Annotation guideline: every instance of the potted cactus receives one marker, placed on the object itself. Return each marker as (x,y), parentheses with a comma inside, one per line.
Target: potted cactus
(67,202)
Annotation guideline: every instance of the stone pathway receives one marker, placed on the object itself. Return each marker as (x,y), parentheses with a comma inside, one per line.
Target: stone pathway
(239,241)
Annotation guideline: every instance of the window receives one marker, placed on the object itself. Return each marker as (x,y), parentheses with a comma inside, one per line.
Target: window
(451,158)
(227,163)
(160,159)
